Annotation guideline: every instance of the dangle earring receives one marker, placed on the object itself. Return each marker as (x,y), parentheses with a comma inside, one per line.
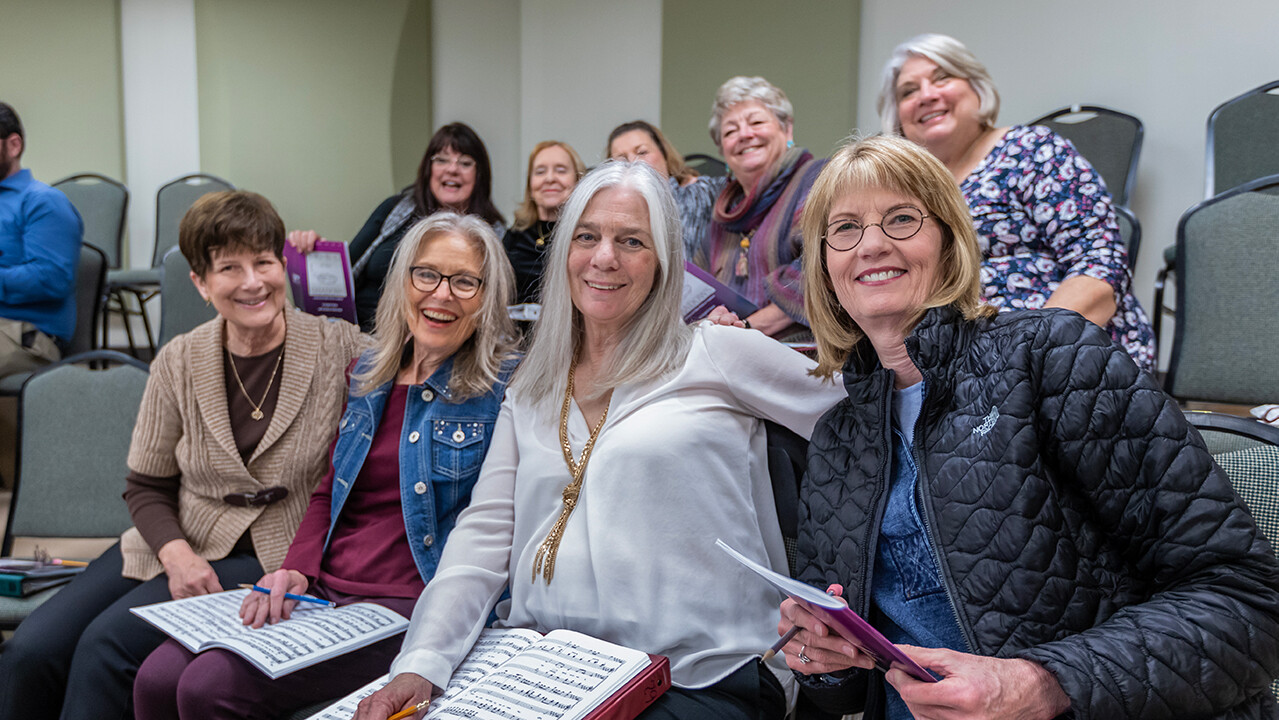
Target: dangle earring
(790,144)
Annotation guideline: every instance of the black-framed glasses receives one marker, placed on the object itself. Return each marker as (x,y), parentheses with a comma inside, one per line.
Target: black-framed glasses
(462,285)
(900,223)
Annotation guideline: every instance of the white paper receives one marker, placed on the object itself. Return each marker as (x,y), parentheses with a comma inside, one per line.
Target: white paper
(325,275)
(313,634)
(696,292)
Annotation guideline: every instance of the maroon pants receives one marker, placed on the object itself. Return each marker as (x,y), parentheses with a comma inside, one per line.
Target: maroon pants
(175,683)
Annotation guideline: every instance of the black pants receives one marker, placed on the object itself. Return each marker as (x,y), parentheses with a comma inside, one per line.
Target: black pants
(750,693)
(77,654)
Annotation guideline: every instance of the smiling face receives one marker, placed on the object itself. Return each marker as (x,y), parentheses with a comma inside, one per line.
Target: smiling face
(881,283)
(612,264)
(933,105)
(638,145)
(246,288)
(453,179)
(753,140)
(439,321)
(552,178)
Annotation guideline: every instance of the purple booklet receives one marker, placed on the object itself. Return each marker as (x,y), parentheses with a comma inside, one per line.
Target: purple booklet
(702,292)
(837,616)
(321,280)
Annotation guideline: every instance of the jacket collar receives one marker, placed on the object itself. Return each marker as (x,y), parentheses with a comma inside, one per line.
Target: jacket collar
(937,339)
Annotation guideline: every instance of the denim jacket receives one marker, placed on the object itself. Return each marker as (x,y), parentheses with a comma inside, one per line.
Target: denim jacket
(442,447)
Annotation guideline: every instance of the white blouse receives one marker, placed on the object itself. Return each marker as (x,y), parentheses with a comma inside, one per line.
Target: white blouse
(680,461)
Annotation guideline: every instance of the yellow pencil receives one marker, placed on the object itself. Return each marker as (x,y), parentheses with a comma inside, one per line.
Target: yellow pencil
(410,711)
(70,563)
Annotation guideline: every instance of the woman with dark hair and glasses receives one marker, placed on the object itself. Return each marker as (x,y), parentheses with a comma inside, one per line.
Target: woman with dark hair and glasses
(454,175)
(418,422)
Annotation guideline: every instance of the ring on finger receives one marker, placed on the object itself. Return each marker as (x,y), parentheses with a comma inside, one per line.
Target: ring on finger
(804,659)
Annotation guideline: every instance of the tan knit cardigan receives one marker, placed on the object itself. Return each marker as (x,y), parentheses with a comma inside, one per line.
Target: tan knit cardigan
(184,428)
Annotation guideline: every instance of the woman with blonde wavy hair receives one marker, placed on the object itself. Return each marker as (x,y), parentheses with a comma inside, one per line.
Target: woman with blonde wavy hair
(419,419)
(553,170)
(1017,505)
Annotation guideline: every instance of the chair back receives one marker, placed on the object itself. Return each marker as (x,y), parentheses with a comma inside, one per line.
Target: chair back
(1110,140)
(1242,139)
(1129,233)
(706,165)
(787,460)
(172,201)
(91,283)
(1227,326)
(103,205)
(181,307)
(75,427)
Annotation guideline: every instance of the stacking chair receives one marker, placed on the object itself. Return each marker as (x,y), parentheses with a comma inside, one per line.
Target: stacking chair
(706,165)
(1109,139)
(75,428)
(181,307)
(91,278)
(1248,451)
(1227,323)
(1129,233)
(1241,147)
(172,201)
(103,205)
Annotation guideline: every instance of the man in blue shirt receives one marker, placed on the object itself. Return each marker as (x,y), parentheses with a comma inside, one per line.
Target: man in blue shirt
(40,234)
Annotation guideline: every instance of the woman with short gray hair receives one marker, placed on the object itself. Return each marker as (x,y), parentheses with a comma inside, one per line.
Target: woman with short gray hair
(650,431)
(1043,216)
(753,244)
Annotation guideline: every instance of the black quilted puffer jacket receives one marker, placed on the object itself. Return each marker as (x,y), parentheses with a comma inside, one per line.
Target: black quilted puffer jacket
(1080,521)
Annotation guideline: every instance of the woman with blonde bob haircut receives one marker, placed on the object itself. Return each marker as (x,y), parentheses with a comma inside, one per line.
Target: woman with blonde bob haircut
(627,444)
(418,421)
(1017,504)
(884,162)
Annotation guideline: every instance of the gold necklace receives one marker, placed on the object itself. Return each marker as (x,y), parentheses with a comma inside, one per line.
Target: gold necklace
(257,407)
(544,561)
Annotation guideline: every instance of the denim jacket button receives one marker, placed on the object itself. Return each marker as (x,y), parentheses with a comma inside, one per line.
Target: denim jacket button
(429,540)
(427,395)
(413,436)
(419,488)
(342,424)
(458,435)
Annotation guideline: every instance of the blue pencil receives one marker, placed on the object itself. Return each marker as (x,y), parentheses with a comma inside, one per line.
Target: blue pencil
(291,596)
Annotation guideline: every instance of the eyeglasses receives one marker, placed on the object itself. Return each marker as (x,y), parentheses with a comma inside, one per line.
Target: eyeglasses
(461,285)
(461,161)
(900,223)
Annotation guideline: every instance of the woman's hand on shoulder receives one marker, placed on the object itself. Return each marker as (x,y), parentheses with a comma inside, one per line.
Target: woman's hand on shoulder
(404,691)
(303,240)
(825,649)
(975,686)
(721,315)
(258,609)
(189,574)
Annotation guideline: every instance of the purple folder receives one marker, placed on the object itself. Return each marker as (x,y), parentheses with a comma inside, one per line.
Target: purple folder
(321,279)
(838,617)
(702,292)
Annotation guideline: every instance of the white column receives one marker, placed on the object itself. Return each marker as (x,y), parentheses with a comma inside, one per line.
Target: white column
(161,109)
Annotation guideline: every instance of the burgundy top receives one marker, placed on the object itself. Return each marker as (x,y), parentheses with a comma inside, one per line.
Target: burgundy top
(368,554)
(153,501)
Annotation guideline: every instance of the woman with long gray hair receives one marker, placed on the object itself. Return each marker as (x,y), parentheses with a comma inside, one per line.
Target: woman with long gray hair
(651,430)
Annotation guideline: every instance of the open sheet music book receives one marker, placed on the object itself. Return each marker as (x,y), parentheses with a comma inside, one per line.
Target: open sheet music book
(312,634)
(702,292)
(521,674)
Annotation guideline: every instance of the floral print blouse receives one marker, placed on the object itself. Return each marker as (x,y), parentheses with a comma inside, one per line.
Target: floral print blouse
(1042,214)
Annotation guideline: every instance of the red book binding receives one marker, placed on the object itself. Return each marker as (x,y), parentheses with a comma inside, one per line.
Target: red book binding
(638,694)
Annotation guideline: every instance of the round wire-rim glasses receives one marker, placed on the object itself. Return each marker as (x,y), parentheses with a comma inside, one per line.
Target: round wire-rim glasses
(899,223)
(462,285)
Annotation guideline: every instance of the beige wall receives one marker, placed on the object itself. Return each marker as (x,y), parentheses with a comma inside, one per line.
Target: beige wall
(808,48)
(313,102)
(61,73)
